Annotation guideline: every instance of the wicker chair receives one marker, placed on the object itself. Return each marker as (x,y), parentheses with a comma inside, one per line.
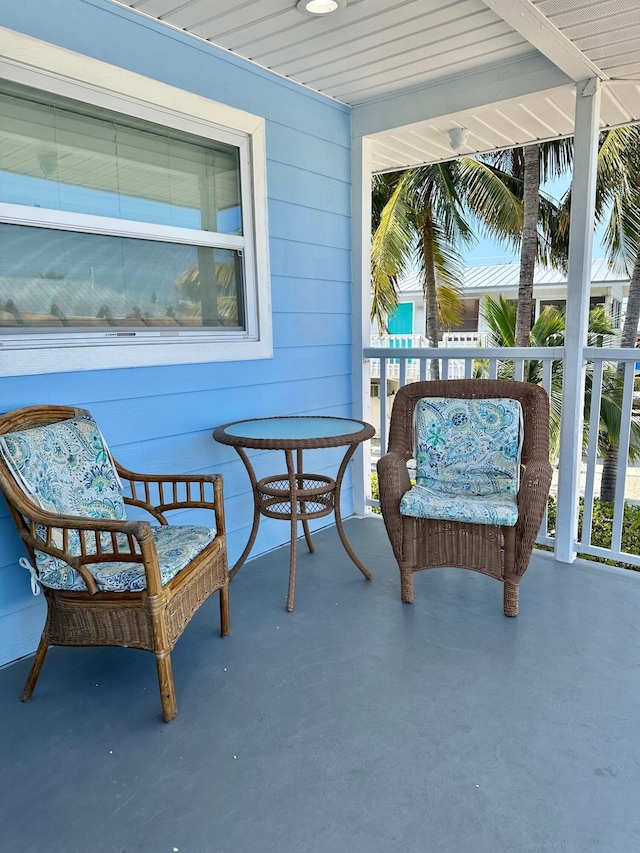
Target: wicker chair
(503,552)
(109,581)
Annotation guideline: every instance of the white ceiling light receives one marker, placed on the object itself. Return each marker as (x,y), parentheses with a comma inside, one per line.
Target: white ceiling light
(319,7)
(458,137)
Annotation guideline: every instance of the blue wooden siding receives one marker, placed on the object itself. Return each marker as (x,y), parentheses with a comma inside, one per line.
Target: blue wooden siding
(161,418)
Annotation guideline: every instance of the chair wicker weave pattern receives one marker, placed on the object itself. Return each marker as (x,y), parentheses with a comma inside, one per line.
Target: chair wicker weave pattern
(498,550)
(135,583)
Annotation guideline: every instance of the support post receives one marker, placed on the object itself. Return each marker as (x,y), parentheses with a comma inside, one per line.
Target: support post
(360,308)
(583,193)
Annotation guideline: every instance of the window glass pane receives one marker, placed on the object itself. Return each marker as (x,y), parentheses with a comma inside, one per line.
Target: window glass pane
(53,157)
(62,279)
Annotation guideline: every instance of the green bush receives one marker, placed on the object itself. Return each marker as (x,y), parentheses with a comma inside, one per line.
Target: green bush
(375,492)
(602,529)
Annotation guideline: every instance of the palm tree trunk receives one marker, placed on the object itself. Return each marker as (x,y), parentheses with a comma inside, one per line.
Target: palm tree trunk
(609,475)
(630,326)
(628,339)
(531,195)
(432,327)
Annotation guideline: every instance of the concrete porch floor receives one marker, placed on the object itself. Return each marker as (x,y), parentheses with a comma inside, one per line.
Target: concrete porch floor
(355,724)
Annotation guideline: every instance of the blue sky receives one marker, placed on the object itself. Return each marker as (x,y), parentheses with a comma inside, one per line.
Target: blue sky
(489,252)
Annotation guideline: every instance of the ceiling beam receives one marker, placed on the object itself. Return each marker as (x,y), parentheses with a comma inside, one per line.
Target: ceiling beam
(489,86)
(538,30)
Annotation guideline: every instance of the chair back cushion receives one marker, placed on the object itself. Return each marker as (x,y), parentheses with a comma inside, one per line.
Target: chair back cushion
(468,447)
(66,468)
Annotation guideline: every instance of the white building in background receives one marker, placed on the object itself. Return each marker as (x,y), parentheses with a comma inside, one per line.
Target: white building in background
(549,288)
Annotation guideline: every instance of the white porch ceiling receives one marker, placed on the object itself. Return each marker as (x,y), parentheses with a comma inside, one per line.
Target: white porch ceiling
(412,69)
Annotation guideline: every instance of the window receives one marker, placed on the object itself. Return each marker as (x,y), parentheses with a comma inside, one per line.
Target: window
(127,227)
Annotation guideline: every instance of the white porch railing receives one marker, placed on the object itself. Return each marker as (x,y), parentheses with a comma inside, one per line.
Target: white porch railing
(450,340)
(413,365)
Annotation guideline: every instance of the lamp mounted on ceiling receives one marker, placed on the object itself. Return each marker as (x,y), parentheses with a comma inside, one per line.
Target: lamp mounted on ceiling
(458,137)
(320,7)
(48,161)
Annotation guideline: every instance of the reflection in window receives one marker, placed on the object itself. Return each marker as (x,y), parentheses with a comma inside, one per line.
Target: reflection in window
(53,157)
(57,279)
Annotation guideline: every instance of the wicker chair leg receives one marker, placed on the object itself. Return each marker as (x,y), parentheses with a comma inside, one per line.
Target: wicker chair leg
(224,610)
(511,598)
(36,666)
(406,586)
(167,688)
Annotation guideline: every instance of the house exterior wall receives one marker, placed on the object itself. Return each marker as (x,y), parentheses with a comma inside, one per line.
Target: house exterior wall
(161,418)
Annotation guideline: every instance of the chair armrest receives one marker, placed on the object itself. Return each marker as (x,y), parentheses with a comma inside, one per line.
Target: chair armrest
(159,493)
(393,482)
(532,503)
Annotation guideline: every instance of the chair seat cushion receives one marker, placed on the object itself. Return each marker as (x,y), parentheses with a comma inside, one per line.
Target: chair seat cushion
(176,545)
(423,502)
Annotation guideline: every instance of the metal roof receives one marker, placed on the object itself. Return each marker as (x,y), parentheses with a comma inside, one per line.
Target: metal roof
(502,276)
(411,70)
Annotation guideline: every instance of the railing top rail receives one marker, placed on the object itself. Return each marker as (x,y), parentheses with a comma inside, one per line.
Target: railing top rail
(479,352)
(611,354)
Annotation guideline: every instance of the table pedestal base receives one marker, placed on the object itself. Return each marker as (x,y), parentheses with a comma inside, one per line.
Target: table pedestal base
(296,496)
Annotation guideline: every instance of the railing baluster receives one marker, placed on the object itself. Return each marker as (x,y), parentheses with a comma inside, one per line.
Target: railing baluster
(623,455)
(383,406)
(592,452)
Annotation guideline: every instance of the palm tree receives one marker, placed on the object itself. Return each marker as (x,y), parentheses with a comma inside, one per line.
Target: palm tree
(420,217)
(548,331)
(541,239)
(209,289)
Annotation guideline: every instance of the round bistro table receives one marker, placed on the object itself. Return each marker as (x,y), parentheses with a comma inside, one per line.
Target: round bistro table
(295,496)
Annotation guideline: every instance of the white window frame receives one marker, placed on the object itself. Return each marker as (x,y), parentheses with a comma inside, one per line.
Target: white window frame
(40,65)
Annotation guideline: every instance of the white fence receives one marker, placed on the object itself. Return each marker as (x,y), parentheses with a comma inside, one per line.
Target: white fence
(455,367)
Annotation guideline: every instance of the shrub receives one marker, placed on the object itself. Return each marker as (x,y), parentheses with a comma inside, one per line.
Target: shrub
(602,529)
(375,492)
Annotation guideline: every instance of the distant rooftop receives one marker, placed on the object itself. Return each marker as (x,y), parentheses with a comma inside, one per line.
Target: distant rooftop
(507,275)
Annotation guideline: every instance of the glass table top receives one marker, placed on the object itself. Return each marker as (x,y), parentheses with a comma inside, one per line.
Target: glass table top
(294,428)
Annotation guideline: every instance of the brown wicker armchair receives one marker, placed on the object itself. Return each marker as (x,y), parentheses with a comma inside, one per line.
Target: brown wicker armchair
(126,583)
(424,543)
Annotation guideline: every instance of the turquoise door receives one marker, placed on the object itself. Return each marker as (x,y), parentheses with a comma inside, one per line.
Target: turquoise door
(401,321)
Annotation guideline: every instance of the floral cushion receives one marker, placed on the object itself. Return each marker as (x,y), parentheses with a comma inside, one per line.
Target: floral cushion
(467,460)
(468,447)
(176,547)
(422,502)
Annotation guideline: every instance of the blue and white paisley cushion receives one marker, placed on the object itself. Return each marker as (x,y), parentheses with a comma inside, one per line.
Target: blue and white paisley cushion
(422,502)
(66,468)
(467,460)
(176,546)
(469,447)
